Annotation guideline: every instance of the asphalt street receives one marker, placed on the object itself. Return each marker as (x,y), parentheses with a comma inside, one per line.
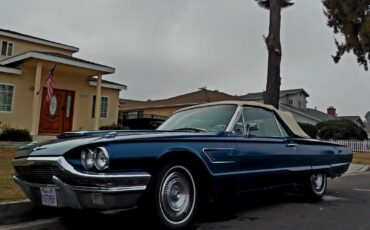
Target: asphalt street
(346,206)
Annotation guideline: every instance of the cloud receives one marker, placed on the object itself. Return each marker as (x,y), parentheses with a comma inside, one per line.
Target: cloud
(164,48)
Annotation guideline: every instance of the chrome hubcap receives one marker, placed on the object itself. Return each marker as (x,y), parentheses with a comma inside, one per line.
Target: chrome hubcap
(317,181)
(177,195)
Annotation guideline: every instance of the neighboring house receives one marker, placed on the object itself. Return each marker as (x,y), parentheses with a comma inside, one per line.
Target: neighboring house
(296,98)
(79,91)
(148,114)
(294,101)
(307,115)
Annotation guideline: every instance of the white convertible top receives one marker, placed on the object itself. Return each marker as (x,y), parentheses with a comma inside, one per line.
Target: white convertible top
(286,117)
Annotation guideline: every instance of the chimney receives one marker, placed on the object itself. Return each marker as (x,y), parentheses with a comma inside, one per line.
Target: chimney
(332,111)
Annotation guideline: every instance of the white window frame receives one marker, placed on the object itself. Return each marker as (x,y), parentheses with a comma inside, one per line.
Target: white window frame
(7,48)
(92,100)
(13,96)
(107,107)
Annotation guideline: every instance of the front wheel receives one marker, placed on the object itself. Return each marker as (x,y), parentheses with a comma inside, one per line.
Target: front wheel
(174,196)
(315,186)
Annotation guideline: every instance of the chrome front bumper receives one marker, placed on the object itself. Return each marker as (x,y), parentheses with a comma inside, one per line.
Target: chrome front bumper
(99,190)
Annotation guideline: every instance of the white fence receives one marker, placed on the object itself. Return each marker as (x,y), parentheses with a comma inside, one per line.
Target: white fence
(356,146)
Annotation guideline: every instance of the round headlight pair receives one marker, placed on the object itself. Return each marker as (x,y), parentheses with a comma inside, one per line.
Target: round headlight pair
(87,159)
(98,158)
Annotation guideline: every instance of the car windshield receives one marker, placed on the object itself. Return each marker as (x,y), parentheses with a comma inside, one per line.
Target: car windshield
(209,118)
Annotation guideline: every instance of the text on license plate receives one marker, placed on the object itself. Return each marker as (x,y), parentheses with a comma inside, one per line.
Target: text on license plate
(48,196)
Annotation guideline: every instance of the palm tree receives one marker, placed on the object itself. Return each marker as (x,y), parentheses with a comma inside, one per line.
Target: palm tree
(274,49)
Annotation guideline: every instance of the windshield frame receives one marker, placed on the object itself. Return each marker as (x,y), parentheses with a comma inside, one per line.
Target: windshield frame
(231,123)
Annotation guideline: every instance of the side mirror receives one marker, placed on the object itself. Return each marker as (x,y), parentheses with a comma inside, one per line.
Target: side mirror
(253,126)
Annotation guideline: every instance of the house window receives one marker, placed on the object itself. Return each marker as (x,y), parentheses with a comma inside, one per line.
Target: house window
(6,97)
(103,107)
(290,102)
(299,104)
(7,48)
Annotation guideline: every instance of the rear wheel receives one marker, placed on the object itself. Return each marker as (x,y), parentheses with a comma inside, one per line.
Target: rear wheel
(173,196)
(315,186)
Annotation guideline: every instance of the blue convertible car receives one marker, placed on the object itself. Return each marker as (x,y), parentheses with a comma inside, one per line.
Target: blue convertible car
(201,152)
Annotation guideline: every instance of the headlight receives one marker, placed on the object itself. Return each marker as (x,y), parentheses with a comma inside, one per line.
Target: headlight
(101,158)
(87,159)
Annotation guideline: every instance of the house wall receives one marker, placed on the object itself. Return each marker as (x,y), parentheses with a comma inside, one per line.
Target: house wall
(296,99)
(74,79)
(21,114)
(21,46)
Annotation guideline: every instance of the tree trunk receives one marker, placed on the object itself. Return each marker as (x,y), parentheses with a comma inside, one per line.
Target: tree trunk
(274,55)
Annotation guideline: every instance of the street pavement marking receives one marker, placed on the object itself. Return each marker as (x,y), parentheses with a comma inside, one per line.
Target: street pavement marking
(362,189)
(30,224)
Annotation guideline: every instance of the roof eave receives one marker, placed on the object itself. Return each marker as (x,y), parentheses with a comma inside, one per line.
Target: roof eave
(109,85)
(15,71)
(40,41)
(61,60)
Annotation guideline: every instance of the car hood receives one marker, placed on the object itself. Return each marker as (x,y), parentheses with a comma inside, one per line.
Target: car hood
(69,141)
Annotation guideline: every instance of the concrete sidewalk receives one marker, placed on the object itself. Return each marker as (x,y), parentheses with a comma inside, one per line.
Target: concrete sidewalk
(357,168)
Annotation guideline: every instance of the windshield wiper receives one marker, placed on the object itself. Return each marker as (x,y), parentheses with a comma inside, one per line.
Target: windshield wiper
(191,129)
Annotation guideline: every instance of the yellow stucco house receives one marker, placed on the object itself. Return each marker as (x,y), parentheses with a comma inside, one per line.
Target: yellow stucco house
(80,93)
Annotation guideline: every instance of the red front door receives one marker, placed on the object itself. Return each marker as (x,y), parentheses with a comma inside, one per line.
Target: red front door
(57,116)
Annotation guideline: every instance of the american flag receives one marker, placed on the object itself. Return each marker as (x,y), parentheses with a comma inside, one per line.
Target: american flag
(50,85)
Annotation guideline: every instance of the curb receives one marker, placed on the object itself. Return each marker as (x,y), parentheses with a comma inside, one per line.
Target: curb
(14,211)
(23,211)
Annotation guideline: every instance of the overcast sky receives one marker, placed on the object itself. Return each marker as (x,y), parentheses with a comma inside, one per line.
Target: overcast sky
(163,48)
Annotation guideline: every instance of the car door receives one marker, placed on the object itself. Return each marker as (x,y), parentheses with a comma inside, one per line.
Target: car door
(267,156)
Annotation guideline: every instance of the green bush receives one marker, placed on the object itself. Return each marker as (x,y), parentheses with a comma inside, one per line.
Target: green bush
(12,134)
(114,126)
(340,129)
(311,130)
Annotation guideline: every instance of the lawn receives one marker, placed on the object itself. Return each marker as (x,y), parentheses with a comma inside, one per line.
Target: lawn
(9,191)
(361,158)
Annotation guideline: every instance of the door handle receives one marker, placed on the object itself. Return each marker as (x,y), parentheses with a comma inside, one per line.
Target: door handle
(291,145)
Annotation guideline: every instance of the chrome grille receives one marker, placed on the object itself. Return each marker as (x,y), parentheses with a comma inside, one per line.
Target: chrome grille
(38,174)
(43,174)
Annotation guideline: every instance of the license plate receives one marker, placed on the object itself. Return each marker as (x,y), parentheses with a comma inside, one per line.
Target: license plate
(48,196)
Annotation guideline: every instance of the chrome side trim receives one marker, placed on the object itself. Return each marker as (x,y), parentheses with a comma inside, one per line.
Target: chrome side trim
(339,164)
(205,151)
(278,125)
(292,169)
